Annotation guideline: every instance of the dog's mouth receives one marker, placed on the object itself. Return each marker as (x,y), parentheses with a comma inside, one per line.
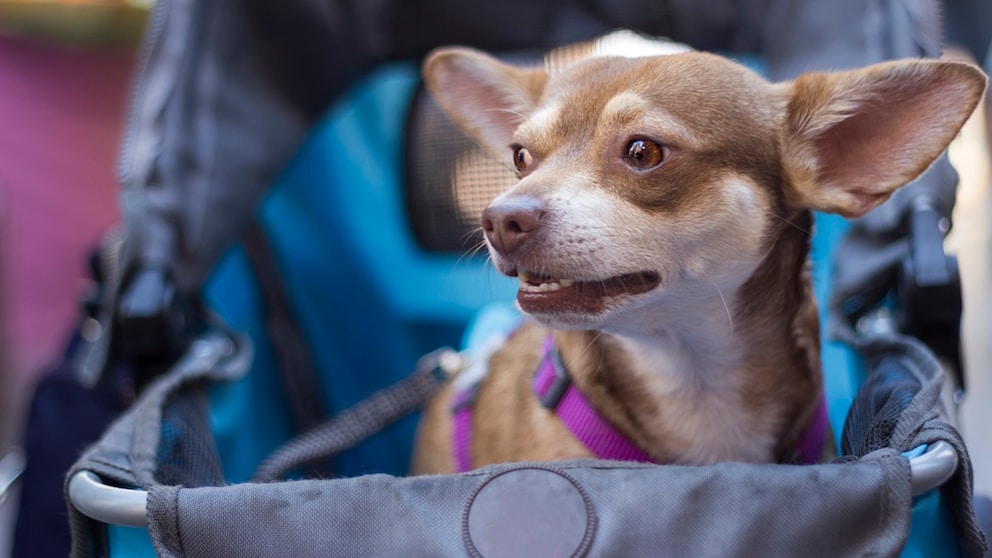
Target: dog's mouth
(545,294)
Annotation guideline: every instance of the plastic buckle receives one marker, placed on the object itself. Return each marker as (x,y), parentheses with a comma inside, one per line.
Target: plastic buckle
(559,386)
(929,286)
(155,322)
(442,363)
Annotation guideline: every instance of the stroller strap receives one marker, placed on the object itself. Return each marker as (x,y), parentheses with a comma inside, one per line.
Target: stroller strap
(366,418)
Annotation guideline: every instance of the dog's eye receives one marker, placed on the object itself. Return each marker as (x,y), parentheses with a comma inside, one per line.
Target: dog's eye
(645,154)
(522,159)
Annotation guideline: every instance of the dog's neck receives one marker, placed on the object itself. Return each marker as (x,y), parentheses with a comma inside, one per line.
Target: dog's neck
(687,343)
(724,376)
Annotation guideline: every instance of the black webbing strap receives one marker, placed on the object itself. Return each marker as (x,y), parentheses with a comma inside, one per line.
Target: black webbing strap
(296,368)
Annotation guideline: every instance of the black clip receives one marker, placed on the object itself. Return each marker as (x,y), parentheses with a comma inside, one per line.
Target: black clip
(556,392)
(929,286)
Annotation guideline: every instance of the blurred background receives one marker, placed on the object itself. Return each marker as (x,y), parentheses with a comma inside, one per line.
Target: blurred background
(65,72)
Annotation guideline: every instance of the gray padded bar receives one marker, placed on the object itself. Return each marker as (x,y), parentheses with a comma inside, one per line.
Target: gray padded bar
(121,506)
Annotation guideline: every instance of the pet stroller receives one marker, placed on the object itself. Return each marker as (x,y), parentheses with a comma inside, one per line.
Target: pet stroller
(350,271)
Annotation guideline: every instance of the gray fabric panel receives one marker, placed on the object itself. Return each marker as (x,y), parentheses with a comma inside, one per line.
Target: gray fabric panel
(958,491)
(109,460)
(208,135)
(841,34)
(841,509)
(126,455)
(924,422)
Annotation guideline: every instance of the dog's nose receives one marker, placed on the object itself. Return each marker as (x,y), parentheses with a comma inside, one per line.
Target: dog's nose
(508,224)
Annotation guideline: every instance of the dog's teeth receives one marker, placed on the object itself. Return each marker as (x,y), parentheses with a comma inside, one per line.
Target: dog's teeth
(545,286)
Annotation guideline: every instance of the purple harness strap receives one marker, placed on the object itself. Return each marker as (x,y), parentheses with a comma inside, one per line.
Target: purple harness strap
(811,444)
(462,408)
(555,390)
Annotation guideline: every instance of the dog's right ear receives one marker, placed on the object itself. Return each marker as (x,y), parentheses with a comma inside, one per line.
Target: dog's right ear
(487,98)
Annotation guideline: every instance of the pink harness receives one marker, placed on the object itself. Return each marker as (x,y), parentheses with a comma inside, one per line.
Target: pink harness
(555,389)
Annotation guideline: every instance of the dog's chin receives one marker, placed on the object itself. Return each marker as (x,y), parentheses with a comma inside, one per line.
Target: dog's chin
(571,304)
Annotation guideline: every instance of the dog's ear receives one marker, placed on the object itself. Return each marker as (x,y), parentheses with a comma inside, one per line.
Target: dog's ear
(487,98)
(852,138)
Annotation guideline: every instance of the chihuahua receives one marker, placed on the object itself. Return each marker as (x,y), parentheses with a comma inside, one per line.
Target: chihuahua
(660,232)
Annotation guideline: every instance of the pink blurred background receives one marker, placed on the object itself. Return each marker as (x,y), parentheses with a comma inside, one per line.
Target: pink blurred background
(61,113)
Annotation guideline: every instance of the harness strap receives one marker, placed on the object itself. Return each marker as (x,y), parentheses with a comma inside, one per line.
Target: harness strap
(556,391)
(554,388)
(463,407)
(811,444)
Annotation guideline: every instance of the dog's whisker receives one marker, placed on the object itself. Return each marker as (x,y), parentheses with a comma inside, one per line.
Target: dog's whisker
(589,346)
(471,252)
(508,111)
(730,317)
(471,233)
(791,224)
(479,246)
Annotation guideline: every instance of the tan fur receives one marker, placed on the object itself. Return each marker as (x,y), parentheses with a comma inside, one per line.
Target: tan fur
(720,361)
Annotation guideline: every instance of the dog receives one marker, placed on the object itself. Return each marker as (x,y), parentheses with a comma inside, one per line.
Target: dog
(660,231)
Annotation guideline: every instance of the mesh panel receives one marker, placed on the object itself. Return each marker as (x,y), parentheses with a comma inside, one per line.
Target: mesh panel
(187,452)
(881,401)
(450,180)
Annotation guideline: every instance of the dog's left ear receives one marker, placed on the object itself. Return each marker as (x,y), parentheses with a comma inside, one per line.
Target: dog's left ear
(852,138)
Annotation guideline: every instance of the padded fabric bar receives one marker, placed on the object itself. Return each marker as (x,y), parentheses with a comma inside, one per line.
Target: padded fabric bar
(845,509)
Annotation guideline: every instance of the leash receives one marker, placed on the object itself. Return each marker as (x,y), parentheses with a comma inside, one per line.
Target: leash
(365,418)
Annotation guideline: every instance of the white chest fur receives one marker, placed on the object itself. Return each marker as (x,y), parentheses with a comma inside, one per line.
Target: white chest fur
(695,373)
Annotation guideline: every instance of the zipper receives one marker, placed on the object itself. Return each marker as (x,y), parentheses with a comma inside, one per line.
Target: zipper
(155,26)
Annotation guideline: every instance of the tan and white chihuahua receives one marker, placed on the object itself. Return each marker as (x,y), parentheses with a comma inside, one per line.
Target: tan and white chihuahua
(660,231)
